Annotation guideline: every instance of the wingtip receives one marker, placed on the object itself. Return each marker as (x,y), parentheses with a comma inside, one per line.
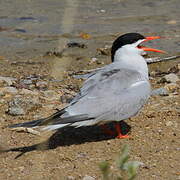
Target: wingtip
(26,124)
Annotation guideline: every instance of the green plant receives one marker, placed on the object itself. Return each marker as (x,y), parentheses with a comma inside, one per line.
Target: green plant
(128,169)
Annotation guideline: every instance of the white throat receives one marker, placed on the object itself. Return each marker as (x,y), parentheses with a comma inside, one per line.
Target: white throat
(131,58)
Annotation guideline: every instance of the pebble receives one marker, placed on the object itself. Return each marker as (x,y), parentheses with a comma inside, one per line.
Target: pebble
(174,69)
(10,90)
(70,178)
(86,177)
(101,11)
(66,98)
(50,94)
(2,83)
(172,87)
(26,81)
(27,91)
(94,59)
(104,51)
(42,85)
(169,78)
(156,73)
(2,93)
(15,110)
(76,44)
(8,80)
(2,101)
(169,123)
(2,120)
(171,22)
(19,105)
(21,168)
(81,155)
(160,91)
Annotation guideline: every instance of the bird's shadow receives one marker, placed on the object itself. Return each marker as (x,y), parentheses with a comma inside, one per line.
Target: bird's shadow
(70,136)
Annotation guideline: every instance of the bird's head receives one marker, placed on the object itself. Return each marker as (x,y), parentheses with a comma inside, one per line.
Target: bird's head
(130,43)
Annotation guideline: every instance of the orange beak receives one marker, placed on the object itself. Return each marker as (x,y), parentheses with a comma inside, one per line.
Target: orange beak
(151,49)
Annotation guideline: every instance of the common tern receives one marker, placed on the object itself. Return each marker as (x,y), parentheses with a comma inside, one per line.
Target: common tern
(115,92)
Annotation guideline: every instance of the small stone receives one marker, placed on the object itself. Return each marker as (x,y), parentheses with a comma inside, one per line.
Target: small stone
(169,78)
(160,92)
(2,101)
(153,74)
(70,178)
(156,73)
(174,69)
(2,120)
(27,91)
(19,105)
(49,93)
(104,51)
(169,123)
(66,98)
(101,11)
(26,81)
(3,83)
(10,90)
(49,106)
(8,80)
(172,87)
(86,177)
(154,165)
(81,155)
(2,93)
(21,168)
(76,44)
(41,85)
(15,111)
(31,86)
(94,59)
(172,22)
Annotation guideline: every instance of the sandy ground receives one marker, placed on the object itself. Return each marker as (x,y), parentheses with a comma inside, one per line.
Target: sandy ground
(28,30)
(154,132)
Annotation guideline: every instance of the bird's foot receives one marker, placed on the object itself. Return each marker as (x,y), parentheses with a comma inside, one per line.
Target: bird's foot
(120,136)
(119,132)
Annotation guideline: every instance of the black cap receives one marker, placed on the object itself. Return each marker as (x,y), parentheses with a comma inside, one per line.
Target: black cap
(128,38)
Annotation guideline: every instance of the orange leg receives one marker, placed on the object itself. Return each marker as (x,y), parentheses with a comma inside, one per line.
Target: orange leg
(119,132)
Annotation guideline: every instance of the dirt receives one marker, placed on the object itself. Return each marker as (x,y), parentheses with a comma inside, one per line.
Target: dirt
(154,132)
(32,40)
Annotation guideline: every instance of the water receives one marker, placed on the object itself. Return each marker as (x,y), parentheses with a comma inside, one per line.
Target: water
(31,28)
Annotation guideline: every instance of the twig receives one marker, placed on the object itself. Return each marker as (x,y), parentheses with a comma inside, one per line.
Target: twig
(158,59)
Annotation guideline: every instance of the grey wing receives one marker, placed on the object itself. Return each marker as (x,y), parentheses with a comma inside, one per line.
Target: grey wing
(111,94)
(95,78)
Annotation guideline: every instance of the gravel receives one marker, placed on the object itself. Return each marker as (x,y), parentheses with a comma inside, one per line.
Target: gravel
(19,105)
(169,78)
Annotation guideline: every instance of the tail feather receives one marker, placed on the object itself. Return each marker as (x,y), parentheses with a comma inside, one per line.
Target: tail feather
(54,120)
(27,124)
(39,122)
